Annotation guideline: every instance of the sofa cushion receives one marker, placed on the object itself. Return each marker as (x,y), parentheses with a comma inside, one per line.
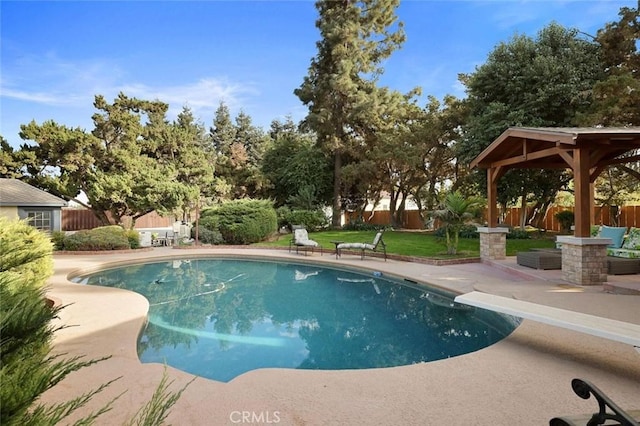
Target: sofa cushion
(626,253)
(632,241)
(615,233)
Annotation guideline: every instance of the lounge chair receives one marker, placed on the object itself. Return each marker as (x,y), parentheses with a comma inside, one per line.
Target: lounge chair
(301,240)
(363,247)
(609,412)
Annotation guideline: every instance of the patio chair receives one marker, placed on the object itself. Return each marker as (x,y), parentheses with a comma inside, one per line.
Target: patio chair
(363,247)
(301,240)
(609,412)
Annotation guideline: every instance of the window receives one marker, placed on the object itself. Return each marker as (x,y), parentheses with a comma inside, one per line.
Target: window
(40,220)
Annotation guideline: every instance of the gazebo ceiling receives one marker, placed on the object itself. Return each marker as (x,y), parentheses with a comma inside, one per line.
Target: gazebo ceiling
(552,147)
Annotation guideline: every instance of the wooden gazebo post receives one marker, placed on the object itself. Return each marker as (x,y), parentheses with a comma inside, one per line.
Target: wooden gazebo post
(493,240)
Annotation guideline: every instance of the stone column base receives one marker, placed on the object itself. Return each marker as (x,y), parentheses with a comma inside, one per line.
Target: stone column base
(493,243)
(584,260)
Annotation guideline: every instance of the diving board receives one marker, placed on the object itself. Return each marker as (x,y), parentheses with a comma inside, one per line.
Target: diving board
(590,324)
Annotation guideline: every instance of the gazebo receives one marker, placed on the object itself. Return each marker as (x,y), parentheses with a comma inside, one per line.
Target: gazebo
(587,151)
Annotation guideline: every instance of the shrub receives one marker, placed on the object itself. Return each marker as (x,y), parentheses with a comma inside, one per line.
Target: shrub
(207,235)
(57,238)
(566,219)
(466,231)
(244,221)
(133,237)
(360,225)
(25,254)
(111,237)
(312,220)
(518,234)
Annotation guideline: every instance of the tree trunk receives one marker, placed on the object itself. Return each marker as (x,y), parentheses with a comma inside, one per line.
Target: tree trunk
(523,211)
(336,221)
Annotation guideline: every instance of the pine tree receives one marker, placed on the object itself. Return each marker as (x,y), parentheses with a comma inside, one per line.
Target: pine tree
(340,89)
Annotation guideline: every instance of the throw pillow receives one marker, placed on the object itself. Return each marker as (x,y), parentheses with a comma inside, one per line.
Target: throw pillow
(615,233)
(632,242)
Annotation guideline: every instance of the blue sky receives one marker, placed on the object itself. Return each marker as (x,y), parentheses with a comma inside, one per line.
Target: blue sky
(57,55)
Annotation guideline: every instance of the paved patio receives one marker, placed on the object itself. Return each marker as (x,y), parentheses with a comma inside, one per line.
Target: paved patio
(524,379)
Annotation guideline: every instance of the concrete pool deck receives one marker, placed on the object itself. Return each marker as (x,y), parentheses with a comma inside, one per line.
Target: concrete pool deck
(521,380)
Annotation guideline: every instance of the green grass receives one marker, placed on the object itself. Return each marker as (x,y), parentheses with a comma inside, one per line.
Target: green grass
(421,244)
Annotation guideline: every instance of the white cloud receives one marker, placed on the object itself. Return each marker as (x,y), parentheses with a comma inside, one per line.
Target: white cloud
(49,80)
(203,96)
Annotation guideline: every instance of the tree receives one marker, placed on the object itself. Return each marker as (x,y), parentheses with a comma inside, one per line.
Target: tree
(10,165)
(238,149)
(186,147)
(340,89)
(617,96)
(527,82)
(124,167)
(455,211)
(295,166)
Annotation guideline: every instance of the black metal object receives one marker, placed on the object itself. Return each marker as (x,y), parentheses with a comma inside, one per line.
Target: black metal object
(584,389)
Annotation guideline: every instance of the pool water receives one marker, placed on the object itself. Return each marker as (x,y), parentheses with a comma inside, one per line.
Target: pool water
(219,318)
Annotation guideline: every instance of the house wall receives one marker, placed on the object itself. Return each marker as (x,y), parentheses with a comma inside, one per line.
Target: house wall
(56,215)
(10,212)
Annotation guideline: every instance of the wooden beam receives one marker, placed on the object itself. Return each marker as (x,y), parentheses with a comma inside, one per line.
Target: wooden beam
(530,156)
(582,189)
(492,197)
(568,158)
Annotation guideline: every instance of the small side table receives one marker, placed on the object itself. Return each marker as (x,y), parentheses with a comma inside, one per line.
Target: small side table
(336,244)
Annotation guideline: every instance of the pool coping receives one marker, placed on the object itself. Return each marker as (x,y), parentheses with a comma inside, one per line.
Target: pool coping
(383,396)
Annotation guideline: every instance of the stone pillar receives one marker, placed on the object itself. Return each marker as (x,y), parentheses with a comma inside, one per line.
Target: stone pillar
(584,260)
(493,243)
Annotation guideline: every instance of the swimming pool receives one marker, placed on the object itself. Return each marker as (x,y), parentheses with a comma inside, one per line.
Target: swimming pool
(219,318)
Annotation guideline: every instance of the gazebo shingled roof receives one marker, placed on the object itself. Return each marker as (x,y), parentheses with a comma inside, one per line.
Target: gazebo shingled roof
(585,150)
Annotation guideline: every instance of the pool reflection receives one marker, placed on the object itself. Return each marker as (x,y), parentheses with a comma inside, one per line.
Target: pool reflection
(220,318)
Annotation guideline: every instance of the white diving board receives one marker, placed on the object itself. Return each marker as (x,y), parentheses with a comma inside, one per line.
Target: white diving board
(597,326)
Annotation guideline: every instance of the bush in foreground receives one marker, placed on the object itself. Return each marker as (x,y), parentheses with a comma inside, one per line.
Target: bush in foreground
(25,254)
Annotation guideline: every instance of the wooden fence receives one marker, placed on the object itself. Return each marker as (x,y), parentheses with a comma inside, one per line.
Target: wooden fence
(612,216)
(77,219)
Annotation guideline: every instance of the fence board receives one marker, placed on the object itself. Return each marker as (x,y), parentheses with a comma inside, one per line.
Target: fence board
(628,216)
(78,219)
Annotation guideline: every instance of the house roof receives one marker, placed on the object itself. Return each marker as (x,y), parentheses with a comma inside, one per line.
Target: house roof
(14,192)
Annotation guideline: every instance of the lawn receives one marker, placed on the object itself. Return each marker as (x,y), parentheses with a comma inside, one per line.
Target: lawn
(412,243)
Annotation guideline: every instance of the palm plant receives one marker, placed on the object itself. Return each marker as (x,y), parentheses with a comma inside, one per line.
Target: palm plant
(455,211)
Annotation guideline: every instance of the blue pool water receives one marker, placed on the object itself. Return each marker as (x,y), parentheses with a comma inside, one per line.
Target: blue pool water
(219,318)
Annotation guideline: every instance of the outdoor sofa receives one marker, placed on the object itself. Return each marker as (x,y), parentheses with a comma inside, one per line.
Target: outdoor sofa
(623,254)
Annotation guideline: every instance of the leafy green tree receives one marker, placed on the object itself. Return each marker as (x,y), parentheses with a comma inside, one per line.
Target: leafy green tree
(124,167)
(186,147)
(545,81)
(238,148)
(617,96)
(296,168)
(10,165)
(456,211)
(340,89)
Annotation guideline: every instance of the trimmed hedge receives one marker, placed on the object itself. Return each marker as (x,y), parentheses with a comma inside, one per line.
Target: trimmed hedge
(111,237)
(242,221)
(25,254)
